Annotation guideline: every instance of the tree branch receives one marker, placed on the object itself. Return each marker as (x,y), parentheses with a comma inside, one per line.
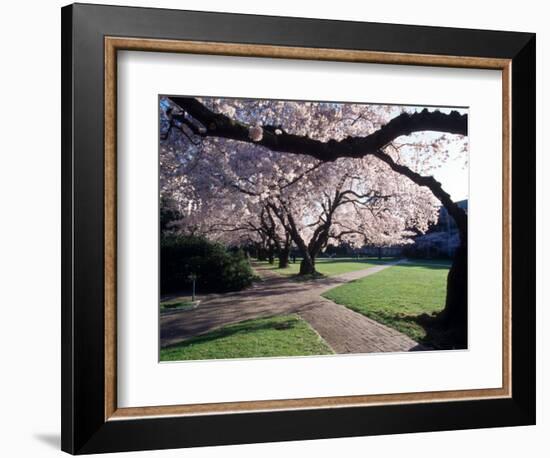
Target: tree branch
(219,125)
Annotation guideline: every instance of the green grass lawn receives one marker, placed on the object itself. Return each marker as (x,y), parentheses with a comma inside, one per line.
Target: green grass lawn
(397,295)
(287,335)
(328,267)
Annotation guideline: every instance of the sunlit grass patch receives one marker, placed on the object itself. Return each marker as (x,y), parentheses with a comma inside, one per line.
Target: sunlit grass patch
(397,296)
(286,335)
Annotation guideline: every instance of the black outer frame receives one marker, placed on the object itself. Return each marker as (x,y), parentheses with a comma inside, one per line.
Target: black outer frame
(84,429)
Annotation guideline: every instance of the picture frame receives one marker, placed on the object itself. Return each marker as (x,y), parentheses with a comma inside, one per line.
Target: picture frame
(92,35)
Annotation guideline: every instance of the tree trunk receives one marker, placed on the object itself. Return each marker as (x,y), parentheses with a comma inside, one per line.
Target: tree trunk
(455,314)
(379,253)
(283,258)
(307,266)
(261,254)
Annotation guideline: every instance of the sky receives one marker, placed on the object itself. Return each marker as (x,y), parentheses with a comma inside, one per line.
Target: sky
(452,173)
(454,178)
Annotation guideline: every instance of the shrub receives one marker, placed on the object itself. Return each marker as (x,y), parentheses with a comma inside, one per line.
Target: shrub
(217,269)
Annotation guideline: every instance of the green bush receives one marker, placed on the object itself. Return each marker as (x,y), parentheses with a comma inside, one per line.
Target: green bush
(217,269)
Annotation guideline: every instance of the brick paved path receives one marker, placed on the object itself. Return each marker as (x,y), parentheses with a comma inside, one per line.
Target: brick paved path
(343,329)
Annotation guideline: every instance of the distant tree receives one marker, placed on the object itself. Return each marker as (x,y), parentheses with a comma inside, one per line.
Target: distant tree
(169,214)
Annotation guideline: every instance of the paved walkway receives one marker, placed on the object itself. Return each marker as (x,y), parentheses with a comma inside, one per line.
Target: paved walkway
(343,329)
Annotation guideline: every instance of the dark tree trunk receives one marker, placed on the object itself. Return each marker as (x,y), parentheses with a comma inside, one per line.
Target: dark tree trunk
(283,258)
(454,316)
(379,253)
(307,266)
(261,254)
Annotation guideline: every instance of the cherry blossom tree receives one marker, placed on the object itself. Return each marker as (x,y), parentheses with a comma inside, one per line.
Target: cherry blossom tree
(307,200)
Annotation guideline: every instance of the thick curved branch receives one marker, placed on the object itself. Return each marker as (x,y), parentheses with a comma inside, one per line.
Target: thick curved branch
(219,125)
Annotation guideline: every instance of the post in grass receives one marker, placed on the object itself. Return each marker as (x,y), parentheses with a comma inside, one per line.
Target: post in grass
(193,278)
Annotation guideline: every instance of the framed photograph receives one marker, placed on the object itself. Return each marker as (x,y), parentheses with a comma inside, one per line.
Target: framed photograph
(281,228)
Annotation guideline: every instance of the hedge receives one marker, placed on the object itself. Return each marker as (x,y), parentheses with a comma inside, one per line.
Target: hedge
(217,269)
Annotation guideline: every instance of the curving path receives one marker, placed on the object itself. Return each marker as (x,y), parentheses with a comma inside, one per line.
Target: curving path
(343,329)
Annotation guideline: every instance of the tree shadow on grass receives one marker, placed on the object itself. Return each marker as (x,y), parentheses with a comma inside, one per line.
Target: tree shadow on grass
(438,335)
(443,335)
(301,278)
(243,327)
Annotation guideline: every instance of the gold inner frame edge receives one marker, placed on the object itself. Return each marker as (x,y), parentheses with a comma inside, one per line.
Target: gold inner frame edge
(114,44)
